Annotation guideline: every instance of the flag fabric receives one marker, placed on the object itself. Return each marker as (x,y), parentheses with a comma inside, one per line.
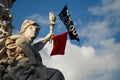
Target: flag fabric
(59,44)
(66,19)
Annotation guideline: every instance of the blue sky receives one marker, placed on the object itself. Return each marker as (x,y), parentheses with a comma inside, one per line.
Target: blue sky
(24,9)
(97,23)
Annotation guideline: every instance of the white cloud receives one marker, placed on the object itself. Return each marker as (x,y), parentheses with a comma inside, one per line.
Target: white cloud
(39,19)
(108,6)
(82,63)
(71,61)
(91,62)
(98,30)
(95,32)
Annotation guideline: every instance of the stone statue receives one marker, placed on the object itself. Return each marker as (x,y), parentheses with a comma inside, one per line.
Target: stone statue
(21,52)
(5,24)
(19,56)
(6,28)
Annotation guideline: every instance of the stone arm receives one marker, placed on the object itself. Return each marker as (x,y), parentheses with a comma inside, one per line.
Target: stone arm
(41,43)
(29,51)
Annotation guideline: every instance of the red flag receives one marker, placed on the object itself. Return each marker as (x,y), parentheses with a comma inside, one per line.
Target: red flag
(59,44)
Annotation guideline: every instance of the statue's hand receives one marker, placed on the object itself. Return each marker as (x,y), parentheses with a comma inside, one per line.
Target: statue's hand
(51,36)
(48,37)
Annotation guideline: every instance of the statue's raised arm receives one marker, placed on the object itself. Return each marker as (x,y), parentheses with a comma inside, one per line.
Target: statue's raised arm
(40,44)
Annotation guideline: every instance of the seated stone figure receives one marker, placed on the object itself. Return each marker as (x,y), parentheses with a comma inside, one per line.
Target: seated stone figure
(19,46)
(24,61)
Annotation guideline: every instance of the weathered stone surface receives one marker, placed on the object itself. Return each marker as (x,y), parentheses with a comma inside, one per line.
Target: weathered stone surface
(19,56)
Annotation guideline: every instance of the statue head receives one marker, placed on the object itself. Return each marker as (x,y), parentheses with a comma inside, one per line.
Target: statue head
(30,29)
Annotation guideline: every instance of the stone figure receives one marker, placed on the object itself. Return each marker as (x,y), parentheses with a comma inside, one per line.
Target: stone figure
(5,31)
(23,54)
(6,28)
(19,56)
(7,3)
(19,49)
(5,24)
(22,43)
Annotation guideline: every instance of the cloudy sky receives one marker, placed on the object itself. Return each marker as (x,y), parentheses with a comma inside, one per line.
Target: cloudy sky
(97,23)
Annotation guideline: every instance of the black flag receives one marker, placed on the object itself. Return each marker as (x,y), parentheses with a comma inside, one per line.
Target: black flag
(66,19)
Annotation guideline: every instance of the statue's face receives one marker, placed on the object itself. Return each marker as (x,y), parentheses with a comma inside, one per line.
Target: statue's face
(31,31)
